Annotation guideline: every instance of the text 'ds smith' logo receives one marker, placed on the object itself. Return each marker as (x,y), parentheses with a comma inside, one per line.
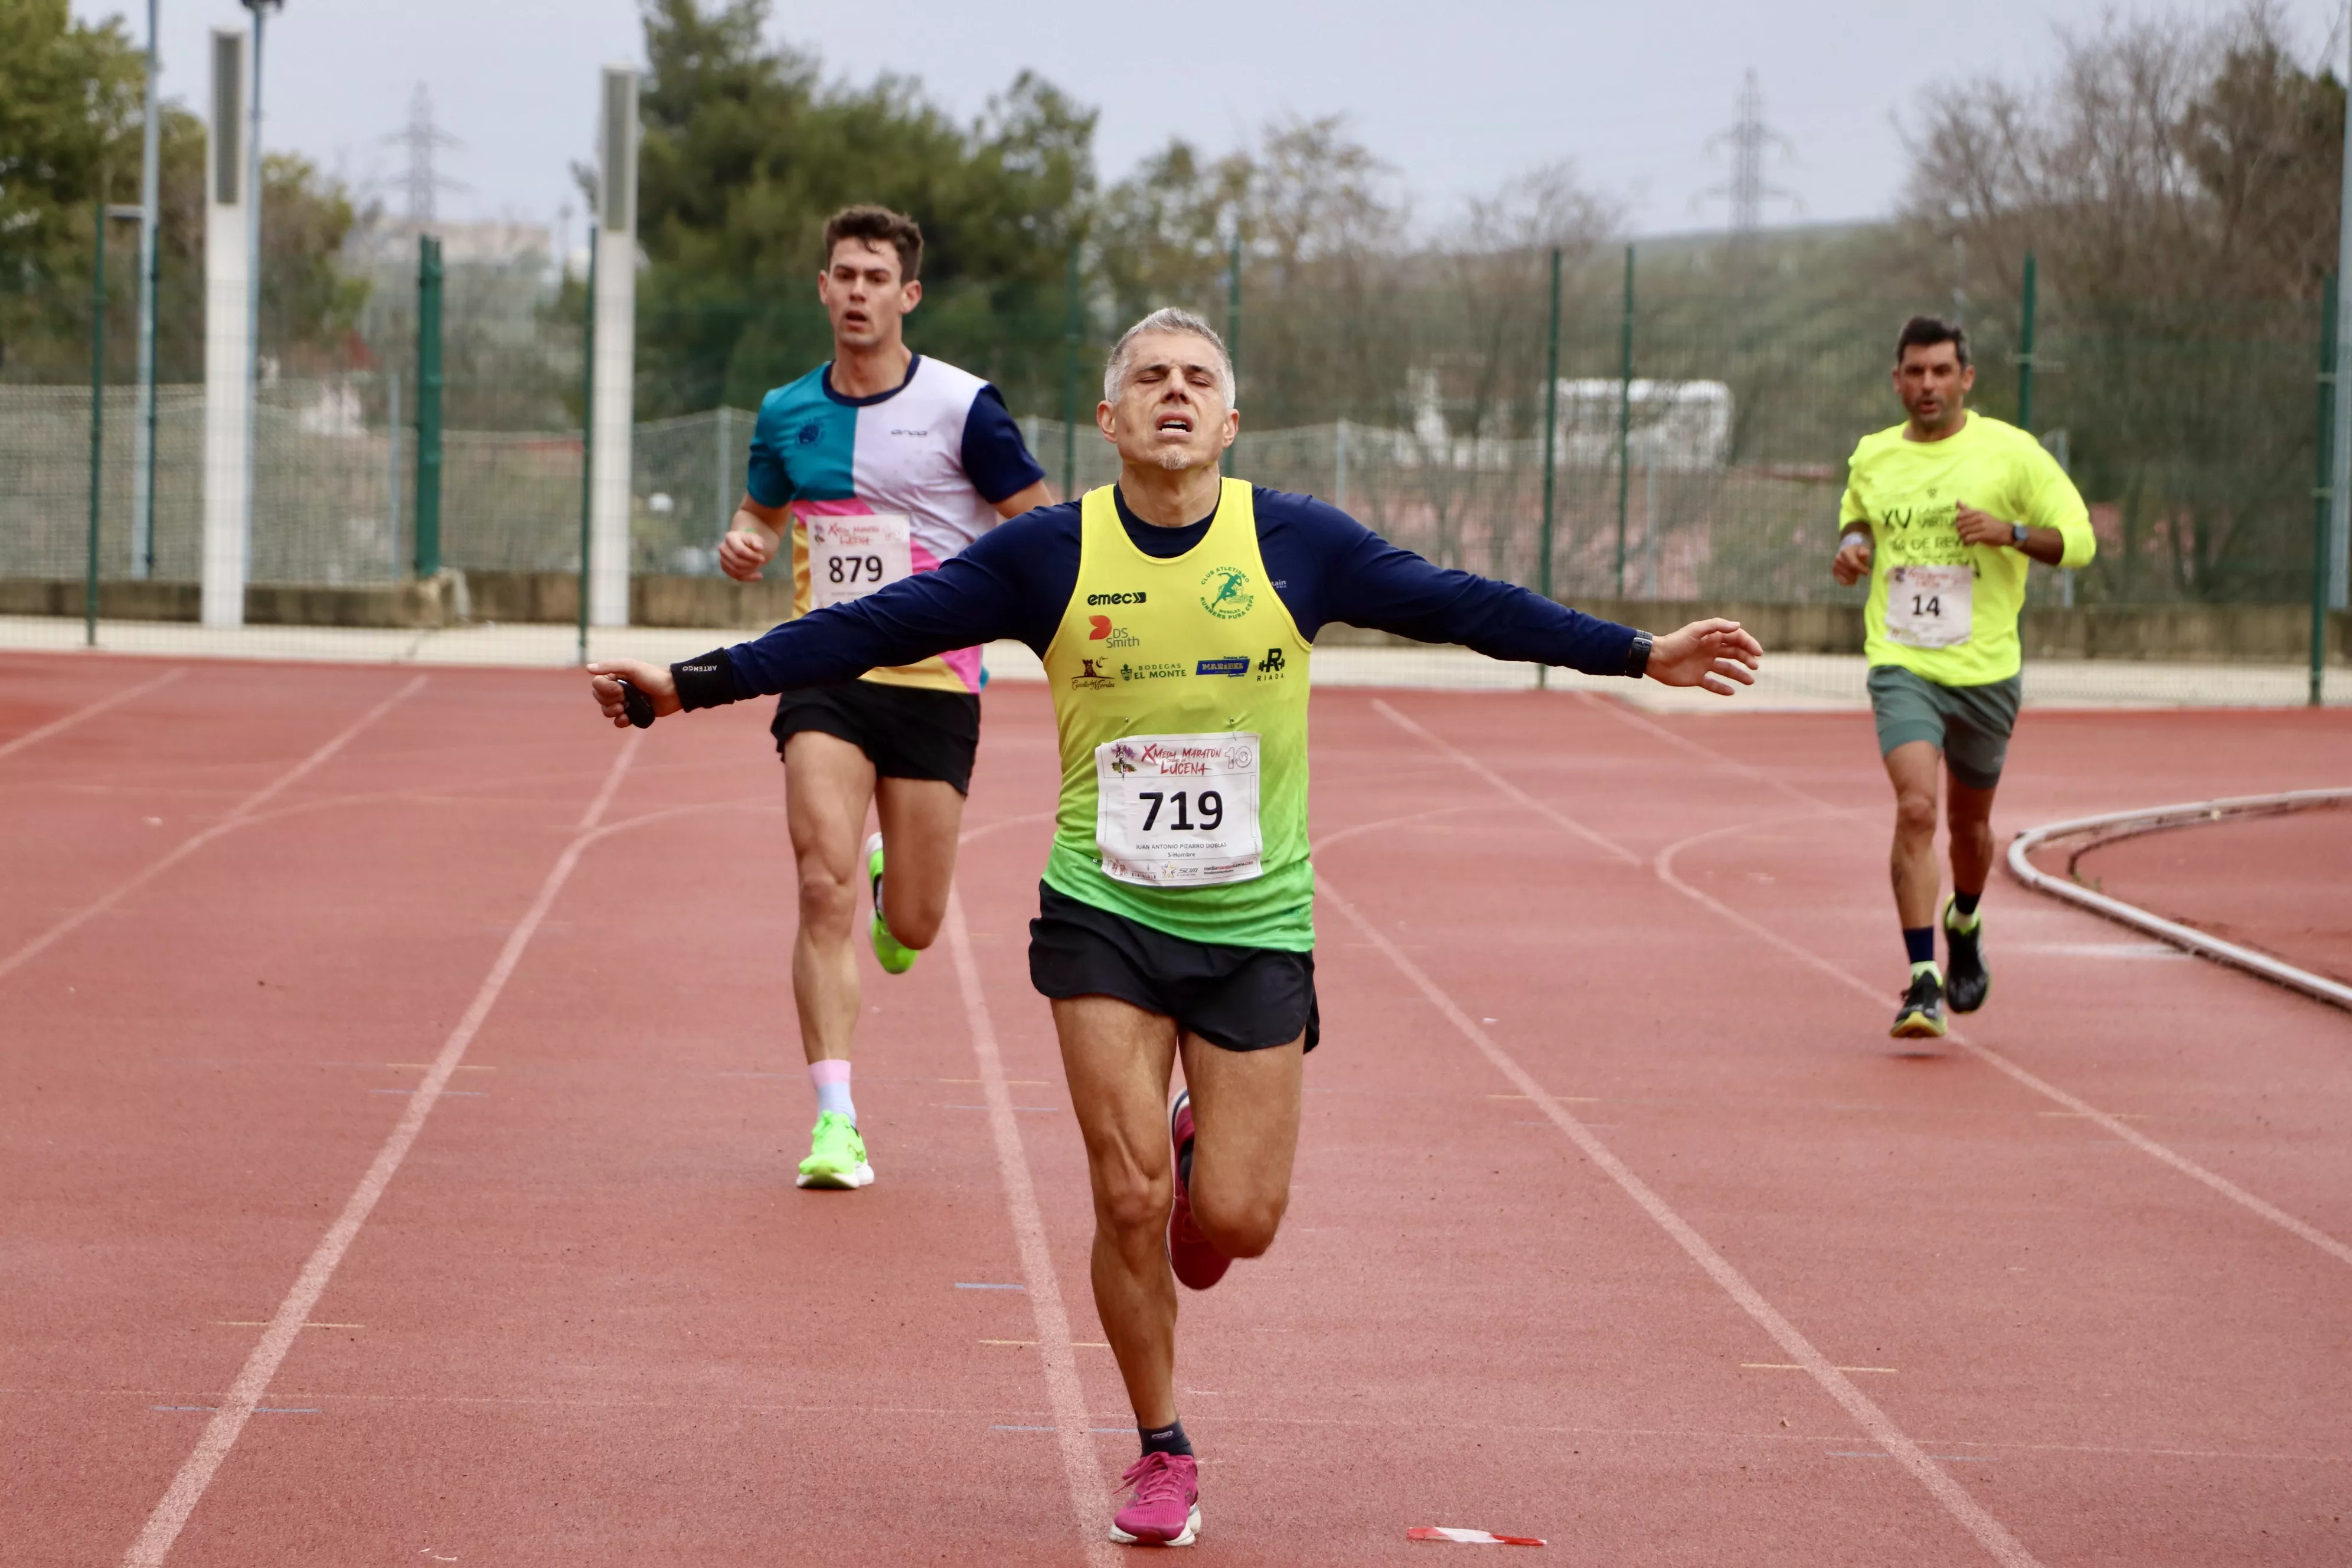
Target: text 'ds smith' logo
(1099,629)
(1237,665)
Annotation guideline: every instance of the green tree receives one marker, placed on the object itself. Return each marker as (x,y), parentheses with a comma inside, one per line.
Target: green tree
(747,150)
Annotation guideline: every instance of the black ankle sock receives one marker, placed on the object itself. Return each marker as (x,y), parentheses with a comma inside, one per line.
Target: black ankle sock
(1168,1439)
(1966,903)
(1921,944)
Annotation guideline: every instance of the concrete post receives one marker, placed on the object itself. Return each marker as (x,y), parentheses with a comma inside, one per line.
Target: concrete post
(228,340)
(614,367)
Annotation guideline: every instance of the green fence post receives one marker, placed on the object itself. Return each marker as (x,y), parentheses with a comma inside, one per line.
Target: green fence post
(2025,352)
(97,424)
(1550,456)
(1072,333)
(2322,493)
(1624,414)
(428,406)
(587,434)
(1234,326)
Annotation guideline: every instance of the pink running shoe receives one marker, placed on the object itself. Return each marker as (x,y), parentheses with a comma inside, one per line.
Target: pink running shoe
(1167,1507)
(1197,1263)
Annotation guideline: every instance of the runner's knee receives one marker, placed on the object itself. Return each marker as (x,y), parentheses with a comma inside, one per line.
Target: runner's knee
(1134,1202)
(828,902)
(1915,813)
(1239,1226)
(914,921)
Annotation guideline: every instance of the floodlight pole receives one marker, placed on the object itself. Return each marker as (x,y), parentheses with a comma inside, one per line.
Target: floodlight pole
(97,413)
(2339,508)
(1624,414)
(614,365)
(2331,484)
(260,10)
(143,458)
(228,340)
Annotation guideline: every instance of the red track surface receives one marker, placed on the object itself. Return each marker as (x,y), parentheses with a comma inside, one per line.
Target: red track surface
(589,1321)
(2281,884)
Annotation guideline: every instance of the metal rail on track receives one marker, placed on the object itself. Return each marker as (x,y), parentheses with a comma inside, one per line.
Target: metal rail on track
(2110,827)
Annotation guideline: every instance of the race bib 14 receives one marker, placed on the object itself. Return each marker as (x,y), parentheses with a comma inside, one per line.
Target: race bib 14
(1179,811)
(1929,607)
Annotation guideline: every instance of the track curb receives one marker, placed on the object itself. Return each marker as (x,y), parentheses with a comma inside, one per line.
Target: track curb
(2109,827)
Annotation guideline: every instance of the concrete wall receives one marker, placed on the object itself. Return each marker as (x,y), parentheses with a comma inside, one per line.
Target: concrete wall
(2267,633)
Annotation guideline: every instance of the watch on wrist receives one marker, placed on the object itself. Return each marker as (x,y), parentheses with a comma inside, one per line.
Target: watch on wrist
(2018,533)
(1637,658)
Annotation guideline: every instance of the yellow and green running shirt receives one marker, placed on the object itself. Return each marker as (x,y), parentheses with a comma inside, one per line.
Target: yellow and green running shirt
(1182,718)
(1945,610)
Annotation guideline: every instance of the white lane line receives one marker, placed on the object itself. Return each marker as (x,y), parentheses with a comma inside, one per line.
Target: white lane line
(237,1406)
(237,817)
(2107,1120)
(1989,1533)
(1663,867)
(1081,1468)
(60,725)
(1599,840)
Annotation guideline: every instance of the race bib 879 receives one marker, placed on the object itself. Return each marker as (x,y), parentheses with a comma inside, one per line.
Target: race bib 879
(849,557)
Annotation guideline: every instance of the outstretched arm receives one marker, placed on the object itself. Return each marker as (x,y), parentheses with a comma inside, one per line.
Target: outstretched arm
(1371,582)
(990,591)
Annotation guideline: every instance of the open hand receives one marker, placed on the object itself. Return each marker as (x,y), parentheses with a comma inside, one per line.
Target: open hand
(654,681)
(1712,654)
(742,553)
(1851,562)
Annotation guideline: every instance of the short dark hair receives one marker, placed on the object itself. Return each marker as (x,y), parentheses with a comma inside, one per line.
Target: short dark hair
(878,225)
(1925,332)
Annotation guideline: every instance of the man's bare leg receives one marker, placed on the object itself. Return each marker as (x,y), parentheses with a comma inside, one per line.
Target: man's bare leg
(1118,1059)
(1968,813)
(920,821)
(1914,769)
(828,782)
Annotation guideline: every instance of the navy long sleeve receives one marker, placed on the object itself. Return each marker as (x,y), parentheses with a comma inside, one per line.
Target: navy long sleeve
(1015,581)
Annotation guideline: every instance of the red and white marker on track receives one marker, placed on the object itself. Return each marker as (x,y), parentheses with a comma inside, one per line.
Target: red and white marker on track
(1469,1537)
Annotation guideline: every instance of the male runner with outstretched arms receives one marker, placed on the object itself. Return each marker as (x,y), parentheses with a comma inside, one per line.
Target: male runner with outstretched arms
(1943,511)
(1175,614)
(882,464)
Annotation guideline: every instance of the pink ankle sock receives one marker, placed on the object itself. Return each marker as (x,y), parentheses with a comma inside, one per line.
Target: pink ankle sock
(831,1079)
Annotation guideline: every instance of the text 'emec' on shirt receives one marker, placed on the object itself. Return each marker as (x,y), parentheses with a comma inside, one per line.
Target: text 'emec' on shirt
(1016,580)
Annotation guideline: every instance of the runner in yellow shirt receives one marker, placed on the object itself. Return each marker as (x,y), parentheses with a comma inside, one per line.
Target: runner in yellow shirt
(1944,512)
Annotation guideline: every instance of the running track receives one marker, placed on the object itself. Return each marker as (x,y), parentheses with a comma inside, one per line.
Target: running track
(398,1100)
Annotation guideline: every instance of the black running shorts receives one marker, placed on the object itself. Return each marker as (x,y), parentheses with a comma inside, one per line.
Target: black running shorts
(1238,998)
(906,731)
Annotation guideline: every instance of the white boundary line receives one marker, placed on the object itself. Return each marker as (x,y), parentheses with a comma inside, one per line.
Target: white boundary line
(2154,819)
(67,721)
(237,816)
(1663,867)
(1081,1467)
(237,1407)
(1989,1533)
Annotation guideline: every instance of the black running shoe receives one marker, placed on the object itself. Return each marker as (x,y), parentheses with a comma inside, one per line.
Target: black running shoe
(1967,980)
(1921,1017)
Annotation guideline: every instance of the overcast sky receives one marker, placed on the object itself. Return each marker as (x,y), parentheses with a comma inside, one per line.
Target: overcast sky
(1457,97)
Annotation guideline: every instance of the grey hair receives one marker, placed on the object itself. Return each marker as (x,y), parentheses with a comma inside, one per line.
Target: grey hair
(1167,319)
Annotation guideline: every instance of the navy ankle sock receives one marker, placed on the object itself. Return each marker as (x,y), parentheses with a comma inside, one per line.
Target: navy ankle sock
(1966,903)
(1168,1439)
(1921,944)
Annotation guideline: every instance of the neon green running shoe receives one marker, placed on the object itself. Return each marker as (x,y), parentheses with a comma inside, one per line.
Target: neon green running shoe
(893,957)
(836,1155)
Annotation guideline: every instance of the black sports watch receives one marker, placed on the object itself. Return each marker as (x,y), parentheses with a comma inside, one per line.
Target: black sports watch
(1637,658)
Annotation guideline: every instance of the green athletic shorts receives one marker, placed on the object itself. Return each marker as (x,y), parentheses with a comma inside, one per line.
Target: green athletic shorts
(1970,724)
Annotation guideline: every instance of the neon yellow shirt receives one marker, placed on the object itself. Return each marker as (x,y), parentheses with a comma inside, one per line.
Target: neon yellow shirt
(1909,492)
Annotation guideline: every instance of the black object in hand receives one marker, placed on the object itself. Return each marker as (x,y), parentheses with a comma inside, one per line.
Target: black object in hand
(638,705)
